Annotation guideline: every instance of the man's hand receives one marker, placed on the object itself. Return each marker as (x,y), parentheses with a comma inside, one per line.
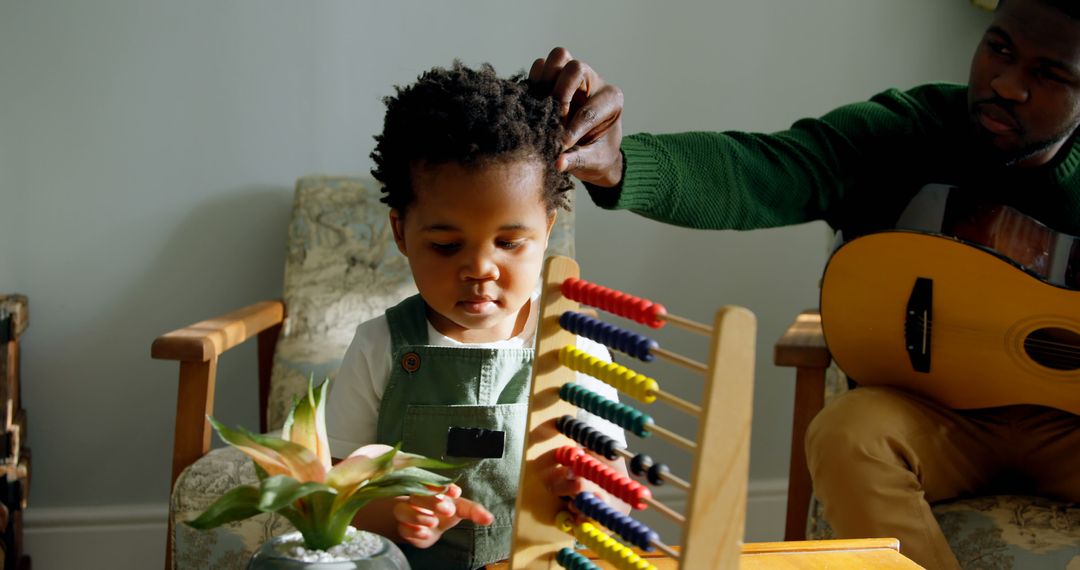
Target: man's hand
(421,520)
(593,111)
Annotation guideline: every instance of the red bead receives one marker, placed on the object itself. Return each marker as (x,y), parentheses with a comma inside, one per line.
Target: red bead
(616,302)
(653,316)
(639,309)
(612,301)
(569,287)
(641,494)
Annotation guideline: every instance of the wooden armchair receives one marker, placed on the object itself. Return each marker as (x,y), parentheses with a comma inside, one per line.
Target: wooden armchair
(341,268)
(987,533)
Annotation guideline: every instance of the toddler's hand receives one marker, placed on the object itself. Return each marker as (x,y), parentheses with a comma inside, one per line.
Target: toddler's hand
(421,520)
(562,482)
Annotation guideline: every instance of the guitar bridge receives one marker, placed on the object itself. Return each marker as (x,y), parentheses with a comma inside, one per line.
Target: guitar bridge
(917,324)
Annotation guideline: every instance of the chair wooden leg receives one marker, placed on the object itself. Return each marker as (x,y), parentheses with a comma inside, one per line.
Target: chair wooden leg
(194,401)
(809,399)
(267,343)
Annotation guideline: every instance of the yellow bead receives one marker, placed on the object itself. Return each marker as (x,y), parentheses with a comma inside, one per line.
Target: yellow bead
(564,521)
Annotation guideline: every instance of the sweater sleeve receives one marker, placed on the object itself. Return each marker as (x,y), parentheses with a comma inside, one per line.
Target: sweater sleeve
(736,180)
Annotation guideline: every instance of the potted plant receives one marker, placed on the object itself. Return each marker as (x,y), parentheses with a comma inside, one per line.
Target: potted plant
(297,481)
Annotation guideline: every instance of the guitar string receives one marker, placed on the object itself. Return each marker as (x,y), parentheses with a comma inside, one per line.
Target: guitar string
(1042,348)
(1041,345)
(982,332)
(1064,362)
(1058,354)
(919,321)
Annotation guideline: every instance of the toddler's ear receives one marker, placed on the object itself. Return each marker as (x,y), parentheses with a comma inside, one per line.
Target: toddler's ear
(397,225)
(552,216)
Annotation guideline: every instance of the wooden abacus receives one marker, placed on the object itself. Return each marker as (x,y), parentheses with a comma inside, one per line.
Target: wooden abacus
(712,526)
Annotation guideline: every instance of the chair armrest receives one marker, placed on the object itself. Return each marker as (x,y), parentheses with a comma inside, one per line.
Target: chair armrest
(208,339)
(803,344)
(198,347)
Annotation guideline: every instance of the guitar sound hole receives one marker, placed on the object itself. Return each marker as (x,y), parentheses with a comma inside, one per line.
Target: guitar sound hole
(1054,348)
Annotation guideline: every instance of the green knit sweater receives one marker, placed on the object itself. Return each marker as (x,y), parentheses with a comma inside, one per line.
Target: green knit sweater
(855,168)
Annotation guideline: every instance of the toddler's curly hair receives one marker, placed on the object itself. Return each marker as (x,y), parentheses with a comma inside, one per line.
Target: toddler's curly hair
(470,117)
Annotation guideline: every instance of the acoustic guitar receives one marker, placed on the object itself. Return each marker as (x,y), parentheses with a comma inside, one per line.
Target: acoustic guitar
(971,304)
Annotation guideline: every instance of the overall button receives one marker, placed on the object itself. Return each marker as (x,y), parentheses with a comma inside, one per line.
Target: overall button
(410,362)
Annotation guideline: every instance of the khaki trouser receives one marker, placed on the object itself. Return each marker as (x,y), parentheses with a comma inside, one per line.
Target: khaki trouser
(879,457)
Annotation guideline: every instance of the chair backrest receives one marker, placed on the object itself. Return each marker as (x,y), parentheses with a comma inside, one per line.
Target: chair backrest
(342,268)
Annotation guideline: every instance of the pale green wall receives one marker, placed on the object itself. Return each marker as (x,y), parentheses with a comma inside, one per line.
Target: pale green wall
(149,150)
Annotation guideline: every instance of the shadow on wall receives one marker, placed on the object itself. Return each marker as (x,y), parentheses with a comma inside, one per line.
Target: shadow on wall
(226,253)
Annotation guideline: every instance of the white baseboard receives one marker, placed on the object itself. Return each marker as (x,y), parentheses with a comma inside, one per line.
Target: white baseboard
(766,509)
(89,538)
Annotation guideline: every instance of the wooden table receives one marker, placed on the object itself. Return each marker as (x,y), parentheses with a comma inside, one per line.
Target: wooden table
(833,554)
(883,553)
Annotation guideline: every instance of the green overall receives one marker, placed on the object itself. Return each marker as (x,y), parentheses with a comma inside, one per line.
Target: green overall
(463,405)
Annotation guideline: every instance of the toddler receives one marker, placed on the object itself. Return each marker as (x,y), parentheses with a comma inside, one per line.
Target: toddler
(467,163)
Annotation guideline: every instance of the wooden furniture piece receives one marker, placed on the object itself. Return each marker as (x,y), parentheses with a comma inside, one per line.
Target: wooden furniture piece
(877,553)
(712,525)
(14,454)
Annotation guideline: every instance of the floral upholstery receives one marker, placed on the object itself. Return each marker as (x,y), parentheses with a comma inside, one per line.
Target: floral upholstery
(997,532)
(342,268)
(229,546)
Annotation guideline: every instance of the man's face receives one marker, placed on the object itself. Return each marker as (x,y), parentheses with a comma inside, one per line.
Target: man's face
(1024,87)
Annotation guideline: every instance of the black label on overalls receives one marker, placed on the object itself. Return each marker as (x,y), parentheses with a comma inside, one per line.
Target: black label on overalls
(475,442)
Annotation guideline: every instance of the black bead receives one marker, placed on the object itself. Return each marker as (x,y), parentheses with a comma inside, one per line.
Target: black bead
(656,473)
(640,464)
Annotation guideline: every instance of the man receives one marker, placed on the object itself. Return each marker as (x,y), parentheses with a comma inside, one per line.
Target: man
(878,456)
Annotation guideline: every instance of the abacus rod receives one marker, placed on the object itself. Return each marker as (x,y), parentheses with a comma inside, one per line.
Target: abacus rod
(667,477)
(665,510)
(677,402)
(684,323)
(680,360)
(672,437)
(665,549)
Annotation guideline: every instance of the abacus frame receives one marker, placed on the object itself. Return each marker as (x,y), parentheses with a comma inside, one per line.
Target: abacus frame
(716,503)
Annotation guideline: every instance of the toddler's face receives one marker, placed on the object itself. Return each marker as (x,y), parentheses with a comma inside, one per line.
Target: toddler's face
(475,239)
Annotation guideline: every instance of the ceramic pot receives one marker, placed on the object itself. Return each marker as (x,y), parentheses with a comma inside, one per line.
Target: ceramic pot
(272,556)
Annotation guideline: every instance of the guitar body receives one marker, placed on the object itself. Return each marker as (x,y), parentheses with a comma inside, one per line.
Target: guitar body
(956,323)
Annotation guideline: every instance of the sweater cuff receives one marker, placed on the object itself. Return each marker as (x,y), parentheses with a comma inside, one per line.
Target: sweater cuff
(602,196)
(639,177)
(641,172)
